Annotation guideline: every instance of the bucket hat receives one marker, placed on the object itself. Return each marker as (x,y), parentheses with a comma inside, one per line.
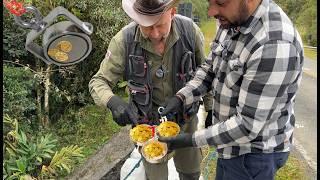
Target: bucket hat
(147,12)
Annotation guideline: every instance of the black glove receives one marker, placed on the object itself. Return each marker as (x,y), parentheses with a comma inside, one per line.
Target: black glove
(121,112)
(172,106)
(180,141)
(208,119)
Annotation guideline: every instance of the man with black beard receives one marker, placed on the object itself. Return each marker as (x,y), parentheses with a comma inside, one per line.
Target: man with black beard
(253,70)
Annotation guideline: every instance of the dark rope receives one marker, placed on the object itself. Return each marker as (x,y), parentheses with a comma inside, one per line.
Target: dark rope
(134,167)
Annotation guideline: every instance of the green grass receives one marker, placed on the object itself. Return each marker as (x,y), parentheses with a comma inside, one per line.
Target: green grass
(209,31)
(88,127)
(293,169)
(310,53)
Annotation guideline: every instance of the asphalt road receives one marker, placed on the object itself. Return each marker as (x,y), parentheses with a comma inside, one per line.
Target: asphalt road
(305,133)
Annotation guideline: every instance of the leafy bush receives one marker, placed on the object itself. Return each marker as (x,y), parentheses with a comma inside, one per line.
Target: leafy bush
(303,14)
(199,8)
(18,94)
(32,156)
(62,161)
(307,22)
(13,38)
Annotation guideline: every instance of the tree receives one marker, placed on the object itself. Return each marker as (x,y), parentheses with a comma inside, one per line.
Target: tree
(307,22)
(303,14)
(199,8)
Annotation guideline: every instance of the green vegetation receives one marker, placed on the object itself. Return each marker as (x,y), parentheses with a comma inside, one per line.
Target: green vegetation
(199,8)
(310,53)
(73,121)
(27,156)
(293,169)
(303,14)
(209,31)
(88,127)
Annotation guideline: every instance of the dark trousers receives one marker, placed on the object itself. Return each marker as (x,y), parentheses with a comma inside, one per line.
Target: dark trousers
(251,166)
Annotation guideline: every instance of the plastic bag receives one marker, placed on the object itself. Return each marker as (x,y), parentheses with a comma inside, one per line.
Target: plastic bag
(128,166)
(139,172)
(172,172)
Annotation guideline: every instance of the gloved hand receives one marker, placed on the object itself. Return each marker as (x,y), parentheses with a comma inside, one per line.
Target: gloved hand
(208,119)
(174,105)
(180,141)
(121,112)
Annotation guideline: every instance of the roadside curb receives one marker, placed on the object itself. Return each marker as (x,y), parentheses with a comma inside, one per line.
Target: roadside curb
(106,160)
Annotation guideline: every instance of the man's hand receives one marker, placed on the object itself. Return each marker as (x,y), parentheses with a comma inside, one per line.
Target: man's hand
(174,105)
(121,112)
(180,141)
(208,119)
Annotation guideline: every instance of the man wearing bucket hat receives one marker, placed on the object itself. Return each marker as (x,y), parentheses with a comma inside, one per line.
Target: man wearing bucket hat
(254,73)
(156,54)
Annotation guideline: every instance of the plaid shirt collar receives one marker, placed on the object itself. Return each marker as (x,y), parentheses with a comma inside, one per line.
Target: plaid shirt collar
(254,18)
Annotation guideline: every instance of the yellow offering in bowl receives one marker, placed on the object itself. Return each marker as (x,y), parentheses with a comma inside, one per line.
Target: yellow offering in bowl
(141,133)
(168,129)
(154,151)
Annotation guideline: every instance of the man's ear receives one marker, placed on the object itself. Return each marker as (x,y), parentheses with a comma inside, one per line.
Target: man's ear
(173,11)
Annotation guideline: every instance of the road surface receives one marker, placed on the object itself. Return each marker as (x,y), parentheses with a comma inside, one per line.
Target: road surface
(305,133)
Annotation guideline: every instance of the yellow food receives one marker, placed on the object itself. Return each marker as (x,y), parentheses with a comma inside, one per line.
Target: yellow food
(52,52)
(141,133)
(168,129)
(154,149)
(65,46)
(61,56)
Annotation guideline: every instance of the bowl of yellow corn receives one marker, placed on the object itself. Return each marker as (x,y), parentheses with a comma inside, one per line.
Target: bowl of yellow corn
(168,129)
(141,133)
(153,151)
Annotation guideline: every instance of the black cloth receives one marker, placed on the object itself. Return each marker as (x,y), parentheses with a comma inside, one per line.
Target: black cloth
(208,121)
(174,105)
(180,141)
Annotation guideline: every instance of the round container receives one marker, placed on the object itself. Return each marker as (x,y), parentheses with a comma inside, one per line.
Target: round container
(156,159)
(141,134)
(168,129)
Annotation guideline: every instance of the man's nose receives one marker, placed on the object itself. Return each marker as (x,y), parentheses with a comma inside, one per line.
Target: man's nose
(213,11)
(154,33)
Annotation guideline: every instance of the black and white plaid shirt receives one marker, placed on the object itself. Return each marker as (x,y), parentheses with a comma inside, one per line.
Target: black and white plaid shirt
(254,72)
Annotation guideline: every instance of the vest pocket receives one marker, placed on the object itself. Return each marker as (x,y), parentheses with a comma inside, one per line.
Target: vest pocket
(137,66)
(140,93)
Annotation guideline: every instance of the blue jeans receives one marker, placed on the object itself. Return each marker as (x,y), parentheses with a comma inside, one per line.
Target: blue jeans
(251,166)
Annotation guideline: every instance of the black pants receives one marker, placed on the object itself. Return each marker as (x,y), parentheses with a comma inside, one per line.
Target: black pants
(251,166)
